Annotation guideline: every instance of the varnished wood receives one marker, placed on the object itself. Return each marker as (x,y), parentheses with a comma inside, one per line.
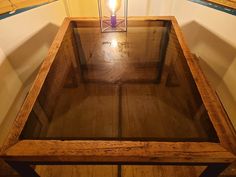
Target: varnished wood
(226,3)
(117,151)
(126,171)
(56,151)
(74,112)
(219,119)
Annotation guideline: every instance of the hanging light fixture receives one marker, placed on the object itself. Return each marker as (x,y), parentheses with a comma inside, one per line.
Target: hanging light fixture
(113,15)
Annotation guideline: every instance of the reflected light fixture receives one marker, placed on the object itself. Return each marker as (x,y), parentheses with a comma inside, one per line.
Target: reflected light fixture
(113,15)
(114,43)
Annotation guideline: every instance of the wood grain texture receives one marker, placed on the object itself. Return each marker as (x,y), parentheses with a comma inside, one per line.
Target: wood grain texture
(117,151)
(101,53)
(88,111)
(146,106)
(121,151)
(219,118)
(80,170)
(226,3)
(126,171)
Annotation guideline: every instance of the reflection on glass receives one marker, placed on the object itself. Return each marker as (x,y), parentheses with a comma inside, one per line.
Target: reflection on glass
(114,43)
(146,93)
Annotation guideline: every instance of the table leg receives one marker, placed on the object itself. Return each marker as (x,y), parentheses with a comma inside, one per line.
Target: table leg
(214,170)
(23,169)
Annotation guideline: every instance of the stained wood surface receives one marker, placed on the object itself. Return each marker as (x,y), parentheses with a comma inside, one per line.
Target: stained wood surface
(164,114)
(113,57)
(226,3)
(124,91)
(112,170)
(122,151)
(117,151)
(217,114)
(94,110)
(126,171)
(89,111)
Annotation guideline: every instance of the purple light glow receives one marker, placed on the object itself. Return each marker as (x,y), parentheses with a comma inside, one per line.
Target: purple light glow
(113,21)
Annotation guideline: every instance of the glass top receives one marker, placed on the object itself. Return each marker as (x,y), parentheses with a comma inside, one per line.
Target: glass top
(133,85)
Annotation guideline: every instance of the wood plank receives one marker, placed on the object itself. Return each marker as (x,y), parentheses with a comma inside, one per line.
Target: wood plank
(133,18)
(117,151)
(122,151)
(88,111)
(219,119)
(126,171)
(160,171)
(81,23)
(113,57)
(226,3)
(154,111)
(78,170)
(55,81)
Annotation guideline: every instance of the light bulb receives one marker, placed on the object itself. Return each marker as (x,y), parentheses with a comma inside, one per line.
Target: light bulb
(113,6)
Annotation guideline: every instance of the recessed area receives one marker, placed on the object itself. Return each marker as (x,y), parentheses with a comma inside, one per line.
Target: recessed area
(122,90)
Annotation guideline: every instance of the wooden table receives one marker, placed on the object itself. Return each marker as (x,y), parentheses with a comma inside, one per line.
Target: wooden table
(127,98)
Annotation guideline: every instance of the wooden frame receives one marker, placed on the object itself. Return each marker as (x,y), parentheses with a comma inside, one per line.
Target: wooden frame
(11,6)
(20,154)
(226,3)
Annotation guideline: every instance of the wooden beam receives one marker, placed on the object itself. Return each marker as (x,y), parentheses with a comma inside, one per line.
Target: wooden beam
(218,117)
(117,151)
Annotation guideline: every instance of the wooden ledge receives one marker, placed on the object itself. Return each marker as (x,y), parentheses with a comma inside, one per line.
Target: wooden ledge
(117,151)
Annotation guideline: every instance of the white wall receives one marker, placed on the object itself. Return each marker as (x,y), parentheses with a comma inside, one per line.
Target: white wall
(135,7)
(25,38)
(149,7)
(24,42)
(10,85)
(211,34)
